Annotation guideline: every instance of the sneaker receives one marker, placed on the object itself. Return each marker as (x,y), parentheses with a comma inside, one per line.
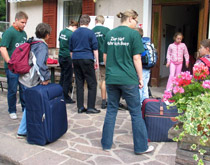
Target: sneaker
(107,150)
(150,149)
(20,136)
(13,116)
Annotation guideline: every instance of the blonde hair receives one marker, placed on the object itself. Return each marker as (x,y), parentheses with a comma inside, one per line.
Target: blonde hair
(100,19)
(127,14)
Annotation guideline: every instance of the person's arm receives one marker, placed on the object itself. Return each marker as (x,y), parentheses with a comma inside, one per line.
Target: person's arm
(104,58)
(96,65)
(186,56)
(138,66)
(168,57)
(4,54)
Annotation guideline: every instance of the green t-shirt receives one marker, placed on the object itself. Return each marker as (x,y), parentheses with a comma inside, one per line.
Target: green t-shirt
(100,32)
(120,45)
(11,39)
(64,38)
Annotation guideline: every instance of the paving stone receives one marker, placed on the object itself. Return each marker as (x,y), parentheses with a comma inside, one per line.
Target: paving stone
(68,135)
(84,122)
(80,140)
(91,162)
(91,150)
(58,145)
(16,149)
(120,131)
(43,157)
(168,148)
(154,163)
(166,159)
(84,130)
(128,156)
(77,155)
(96,143)
(80,116)
(94,135)
(103,160)
(99,123)
(126,126)
(73,162)
(125,139)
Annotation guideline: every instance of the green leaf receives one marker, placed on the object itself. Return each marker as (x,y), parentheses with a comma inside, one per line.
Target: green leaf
(195,157)
(194,146)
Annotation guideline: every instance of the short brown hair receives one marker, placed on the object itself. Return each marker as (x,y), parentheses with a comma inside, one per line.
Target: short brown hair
(100,19)
(140,30)
(178,34)
(84,19)
(42,30)
(126,14)
(205,43)
(73,23)
(21,15)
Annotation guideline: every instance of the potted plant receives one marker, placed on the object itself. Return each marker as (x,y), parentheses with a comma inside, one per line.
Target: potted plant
(191,95)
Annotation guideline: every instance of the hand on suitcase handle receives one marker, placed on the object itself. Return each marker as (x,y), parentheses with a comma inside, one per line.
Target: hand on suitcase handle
(141,84)
(45,82)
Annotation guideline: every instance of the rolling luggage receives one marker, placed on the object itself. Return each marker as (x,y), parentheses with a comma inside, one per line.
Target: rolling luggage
(46,116)
(158,119)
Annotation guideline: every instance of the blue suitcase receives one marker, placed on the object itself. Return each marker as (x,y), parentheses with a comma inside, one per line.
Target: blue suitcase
(46,116)
(158,119)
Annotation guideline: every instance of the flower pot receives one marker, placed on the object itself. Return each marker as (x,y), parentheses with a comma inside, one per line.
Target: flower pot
(184,152)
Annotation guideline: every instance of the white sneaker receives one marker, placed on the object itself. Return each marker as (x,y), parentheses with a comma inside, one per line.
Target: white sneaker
(13,116)
(150,149)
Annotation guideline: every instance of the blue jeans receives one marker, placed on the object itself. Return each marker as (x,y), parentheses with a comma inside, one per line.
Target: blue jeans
(12,82)
(23,127)
(144,92)
(131,95)
(22,130)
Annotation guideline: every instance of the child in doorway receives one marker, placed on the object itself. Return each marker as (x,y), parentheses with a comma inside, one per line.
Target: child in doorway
(175,54)
(204,53)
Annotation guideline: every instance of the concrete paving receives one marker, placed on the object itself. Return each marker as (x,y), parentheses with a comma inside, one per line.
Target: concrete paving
(81,143)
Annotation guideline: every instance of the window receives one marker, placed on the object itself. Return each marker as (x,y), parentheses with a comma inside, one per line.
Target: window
(67,10)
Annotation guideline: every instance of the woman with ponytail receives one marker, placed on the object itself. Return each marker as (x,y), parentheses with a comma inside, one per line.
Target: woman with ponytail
(122,57)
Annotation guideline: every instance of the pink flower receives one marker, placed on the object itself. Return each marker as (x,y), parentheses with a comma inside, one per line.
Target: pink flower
(177,89)
(200,71)
(206,84)
(167,95)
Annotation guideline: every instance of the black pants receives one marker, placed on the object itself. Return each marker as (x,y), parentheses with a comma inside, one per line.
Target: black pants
(84,70)
(66,75)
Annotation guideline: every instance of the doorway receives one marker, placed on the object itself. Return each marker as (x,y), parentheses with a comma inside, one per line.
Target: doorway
(187,16)
(182,19)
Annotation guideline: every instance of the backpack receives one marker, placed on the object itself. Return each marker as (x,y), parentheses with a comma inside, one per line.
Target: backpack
(19,60)
(149,56)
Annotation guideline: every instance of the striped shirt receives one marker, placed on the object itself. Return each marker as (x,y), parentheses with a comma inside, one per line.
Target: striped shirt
(176,52)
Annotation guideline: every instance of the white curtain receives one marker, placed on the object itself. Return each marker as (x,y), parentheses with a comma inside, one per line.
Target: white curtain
(72,10)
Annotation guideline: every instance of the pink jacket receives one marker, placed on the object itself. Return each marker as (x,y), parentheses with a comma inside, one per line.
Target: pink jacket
(175,53)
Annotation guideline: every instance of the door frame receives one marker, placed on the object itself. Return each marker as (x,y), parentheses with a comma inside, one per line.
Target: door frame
(157,27)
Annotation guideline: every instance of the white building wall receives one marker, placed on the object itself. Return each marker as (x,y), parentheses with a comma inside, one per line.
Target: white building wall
(113,7)
(34,11)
